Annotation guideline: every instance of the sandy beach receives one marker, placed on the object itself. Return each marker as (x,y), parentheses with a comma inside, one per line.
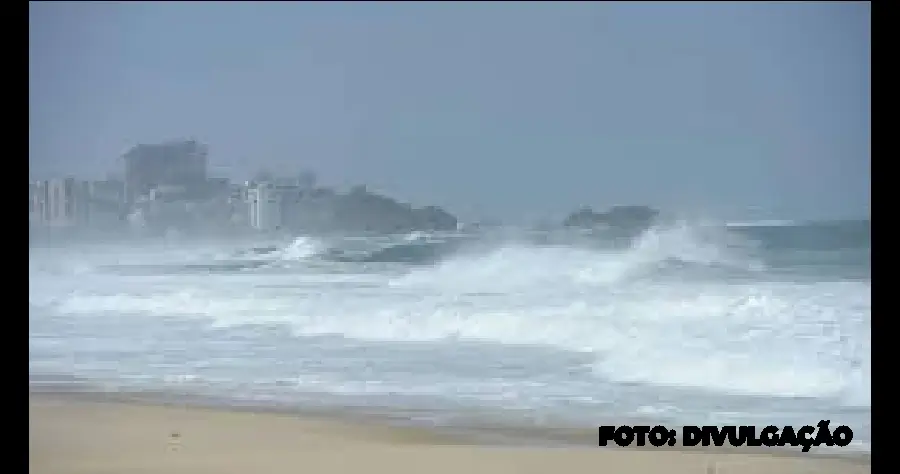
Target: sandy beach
(74,435)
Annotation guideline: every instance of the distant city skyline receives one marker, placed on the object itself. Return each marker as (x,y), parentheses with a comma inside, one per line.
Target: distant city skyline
(489,109)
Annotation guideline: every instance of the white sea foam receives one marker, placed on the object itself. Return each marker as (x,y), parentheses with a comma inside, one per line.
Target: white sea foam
(300,248)
(616,336)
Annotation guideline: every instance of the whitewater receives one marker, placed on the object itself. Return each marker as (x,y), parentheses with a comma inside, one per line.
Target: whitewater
(684,324)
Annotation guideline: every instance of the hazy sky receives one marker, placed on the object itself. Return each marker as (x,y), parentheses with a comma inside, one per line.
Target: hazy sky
(518,109)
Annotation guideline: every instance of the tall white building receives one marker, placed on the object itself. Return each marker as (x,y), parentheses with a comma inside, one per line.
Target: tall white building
(264,206)
(36,200)
(273,205)
(58,202)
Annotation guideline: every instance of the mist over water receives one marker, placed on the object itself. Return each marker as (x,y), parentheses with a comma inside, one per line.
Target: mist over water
(686,323)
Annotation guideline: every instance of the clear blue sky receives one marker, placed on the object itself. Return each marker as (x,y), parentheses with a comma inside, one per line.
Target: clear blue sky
(516,109)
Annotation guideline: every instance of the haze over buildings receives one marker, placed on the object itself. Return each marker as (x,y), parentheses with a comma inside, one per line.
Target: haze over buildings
(166,188)
(745,110)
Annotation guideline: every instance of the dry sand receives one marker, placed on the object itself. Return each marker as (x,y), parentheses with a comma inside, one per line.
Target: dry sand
(71,435)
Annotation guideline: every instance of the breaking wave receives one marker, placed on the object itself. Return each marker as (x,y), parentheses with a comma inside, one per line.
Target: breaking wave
(698,320)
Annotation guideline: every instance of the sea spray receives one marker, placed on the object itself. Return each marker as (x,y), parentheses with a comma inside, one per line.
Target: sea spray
(542,326)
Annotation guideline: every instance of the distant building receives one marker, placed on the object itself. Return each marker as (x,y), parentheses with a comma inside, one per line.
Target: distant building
(307,180)
(59,202)
(180,163)
(167,193)
(106,203)
(37,197)
(108,191)
(264,207)
(67,202)
(218,187)
(236,192)
(291,193)
(239,206)
(272,205)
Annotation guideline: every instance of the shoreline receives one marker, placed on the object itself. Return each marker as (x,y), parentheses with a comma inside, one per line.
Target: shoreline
(73,432)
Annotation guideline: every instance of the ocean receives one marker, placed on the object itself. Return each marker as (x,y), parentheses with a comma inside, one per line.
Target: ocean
(684,324)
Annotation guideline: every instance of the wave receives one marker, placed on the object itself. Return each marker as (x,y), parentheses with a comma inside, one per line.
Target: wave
(694,330)
(683,249)
(680,249)
(677,246)
(676,250)
(202,261)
